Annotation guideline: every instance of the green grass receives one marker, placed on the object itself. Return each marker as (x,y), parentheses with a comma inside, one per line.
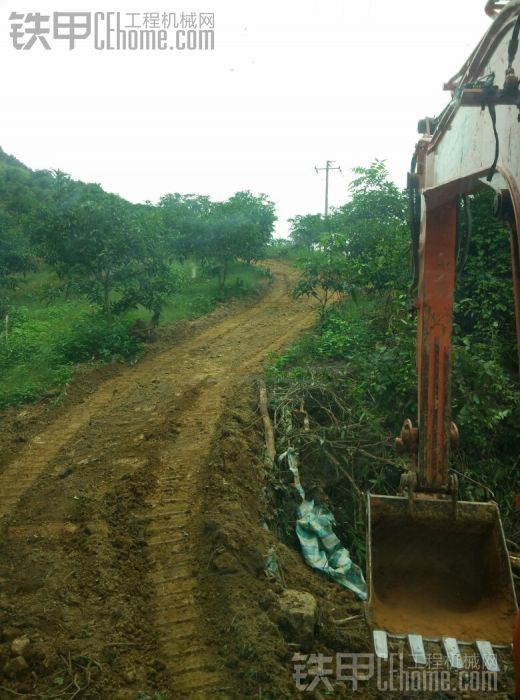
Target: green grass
(199,294)
(46,341)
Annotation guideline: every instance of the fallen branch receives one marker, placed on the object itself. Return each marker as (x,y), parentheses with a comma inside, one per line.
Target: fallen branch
(14,692)
(474,481)
(268,426)
(345,473)
(383,460)
(346,619)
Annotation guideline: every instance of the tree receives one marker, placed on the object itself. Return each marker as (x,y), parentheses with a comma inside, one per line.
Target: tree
(218,232)
(15,254)
(150,280)
(252,220)
(307,230)
(111,250)
(368,244)
(484,304)
(21,193)
(184,221)
(240,227)
(375,230)
(325,275)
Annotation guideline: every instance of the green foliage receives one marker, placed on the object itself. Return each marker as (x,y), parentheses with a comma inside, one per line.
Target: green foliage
(46,340)
(95,339)
(486,404)
(22,190)
(348,375)
(184,221)
(240,228)
(325,275)
(15,254)
(151,280)
(371,342)
(486,399)
(366,249)
(105,247)
(355,375)
(28,364)
(218,232)
(249,222)
(485,395)
(307,230)
(484,295)
(279,248)
(21,193)
(39,351)
(372,231)
(104,263)
(21,385)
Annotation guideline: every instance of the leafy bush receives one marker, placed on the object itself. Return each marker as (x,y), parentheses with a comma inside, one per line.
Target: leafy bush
(355,378)
(95,338)
(484,295)
(39,353)
(279,248)
(355,375)
(21,384)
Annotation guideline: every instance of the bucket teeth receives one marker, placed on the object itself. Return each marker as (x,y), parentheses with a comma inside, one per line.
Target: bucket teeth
(488,656)
(417,649)
(452,651)
(380,644)
(450,646)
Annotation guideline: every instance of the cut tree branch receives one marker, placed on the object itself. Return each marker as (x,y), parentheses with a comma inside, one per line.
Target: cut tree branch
(268,426)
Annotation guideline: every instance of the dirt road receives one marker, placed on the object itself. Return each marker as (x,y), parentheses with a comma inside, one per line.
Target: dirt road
(99,512)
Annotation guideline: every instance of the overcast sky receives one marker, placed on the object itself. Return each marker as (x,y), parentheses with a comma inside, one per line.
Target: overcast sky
(288,85)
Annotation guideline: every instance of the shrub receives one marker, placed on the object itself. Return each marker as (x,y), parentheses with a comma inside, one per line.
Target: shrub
(95,338)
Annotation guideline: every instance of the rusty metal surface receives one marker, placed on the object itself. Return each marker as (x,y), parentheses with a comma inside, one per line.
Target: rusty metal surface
(453,157)
(514,191)
(432,574)
(436,566)
(437,248)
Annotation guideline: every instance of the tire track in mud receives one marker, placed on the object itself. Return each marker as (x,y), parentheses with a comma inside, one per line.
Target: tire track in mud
(168,405)
(45,447)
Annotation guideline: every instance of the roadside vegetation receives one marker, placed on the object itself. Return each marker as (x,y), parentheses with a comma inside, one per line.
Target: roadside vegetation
(340,394)
(86,276)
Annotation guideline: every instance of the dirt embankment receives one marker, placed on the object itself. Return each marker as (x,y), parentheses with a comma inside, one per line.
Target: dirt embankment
(248,624)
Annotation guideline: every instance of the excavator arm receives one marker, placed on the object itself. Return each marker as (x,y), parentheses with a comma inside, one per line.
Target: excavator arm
(474,143)
(437,566)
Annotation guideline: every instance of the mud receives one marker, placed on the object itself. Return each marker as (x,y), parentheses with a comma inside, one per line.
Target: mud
(136,518)
(100,505)
(439,578)
(241,604)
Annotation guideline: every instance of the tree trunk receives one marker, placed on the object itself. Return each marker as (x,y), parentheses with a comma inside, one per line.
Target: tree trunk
(222,276)
(106,298)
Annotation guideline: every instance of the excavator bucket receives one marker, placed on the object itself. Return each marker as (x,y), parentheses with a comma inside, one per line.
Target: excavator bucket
(438,570)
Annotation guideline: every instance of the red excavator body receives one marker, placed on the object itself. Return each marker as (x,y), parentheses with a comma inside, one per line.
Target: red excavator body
(439,567)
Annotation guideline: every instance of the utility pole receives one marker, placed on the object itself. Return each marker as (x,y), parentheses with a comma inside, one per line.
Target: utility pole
(328,167)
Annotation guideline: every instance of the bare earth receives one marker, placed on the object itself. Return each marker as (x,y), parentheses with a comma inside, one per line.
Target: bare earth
(99,514)
(135,518)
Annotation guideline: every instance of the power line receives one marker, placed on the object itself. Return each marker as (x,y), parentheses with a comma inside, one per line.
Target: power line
(328,167)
